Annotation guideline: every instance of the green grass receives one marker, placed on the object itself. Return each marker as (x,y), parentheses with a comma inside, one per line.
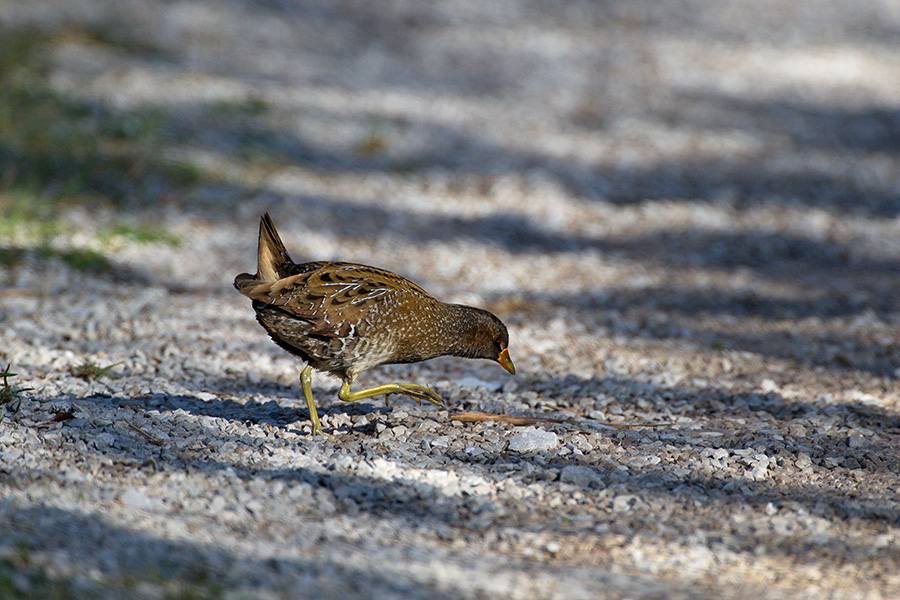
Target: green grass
(58,152)
(21,580)
(71,151)
(29,222)
(91,371)
(28,215)
(84,260)
(182,173)
(18,48)
(250,106)
(116,38)
(9,393)
(138,234)
(17,583)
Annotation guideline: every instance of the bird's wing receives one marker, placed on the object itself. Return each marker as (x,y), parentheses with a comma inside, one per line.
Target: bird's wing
(333,296)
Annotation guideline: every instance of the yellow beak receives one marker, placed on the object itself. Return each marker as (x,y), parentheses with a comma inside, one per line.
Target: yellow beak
(506,362)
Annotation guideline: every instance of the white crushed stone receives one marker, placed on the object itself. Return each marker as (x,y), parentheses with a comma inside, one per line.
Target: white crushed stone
(531,439)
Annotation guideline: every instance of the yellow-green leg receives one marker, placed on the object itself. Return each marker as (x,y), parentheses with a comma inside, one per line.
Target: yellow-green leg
(417,392)
(306,384)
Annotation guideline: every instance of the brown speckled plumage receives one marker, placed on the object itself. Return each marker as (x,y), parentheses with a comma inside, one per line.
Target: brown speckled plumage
(345,318)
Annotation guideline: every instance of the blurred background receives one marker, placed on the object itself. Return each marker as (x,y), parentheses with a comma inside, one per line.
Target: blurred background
(677,159)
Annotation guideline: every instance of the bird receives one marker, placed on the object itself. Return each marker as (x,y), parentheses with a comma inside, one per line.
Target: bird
(345,318)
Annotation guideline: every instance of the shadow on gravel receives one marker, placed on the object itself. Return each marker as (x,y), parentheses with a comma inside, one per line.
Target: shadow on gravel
(90,263)
(808,125)
(772,410)
(271,412)
(859,133)
(763,518)
(736,182)
(833,486)
(833,492)
(749,321)
(130,559)
(193,446)
(128,563)
(838,284)
(329,37)
(775,255)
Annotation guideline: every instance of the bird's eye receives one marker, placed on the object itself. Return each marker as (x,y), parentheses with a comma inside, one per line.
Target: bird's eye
(498,339)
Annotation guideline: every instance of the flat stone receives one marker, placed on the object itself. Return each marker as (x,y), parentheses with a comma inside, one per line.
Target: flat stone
(581,476)
(531,439)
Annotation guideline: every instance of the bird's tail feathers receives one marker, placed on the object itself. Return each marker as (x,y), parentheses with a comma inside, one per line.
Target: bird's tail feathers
(272,260)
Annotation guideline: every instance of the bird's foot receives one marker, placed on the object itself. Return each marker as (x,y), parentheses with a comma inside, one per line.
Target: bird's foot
(327,436)
(415,391)
(420,392)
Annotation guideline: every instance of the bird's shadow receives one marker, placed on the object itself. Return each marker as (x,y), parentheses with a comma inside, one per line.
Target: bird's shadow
(291,415)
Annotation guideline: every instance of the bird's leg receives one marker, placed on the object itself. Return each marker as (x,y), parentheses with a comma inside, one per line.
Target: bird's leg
(306,384)
(417,392)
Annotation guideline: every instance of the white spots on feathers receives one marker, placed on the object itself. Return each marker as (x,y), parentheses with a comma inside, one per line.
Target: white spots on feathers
(372,295)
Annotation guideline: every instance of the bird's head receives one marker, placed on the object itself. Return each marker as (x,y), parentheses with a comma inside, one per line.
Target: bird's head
(491,339)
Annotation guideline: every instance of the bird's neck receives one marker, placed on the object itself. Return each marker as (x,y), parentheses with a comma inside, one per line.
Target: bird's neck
(462,325)
(448,330)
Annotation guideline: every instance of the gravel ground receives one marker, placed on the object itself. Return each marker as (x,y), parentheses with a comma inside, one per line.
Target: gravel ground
(687,213)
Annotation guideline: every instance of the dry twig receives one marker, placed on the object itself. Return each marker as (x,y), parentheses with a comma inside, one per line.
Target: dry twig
(477,417)
(150,438)
(472,417)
